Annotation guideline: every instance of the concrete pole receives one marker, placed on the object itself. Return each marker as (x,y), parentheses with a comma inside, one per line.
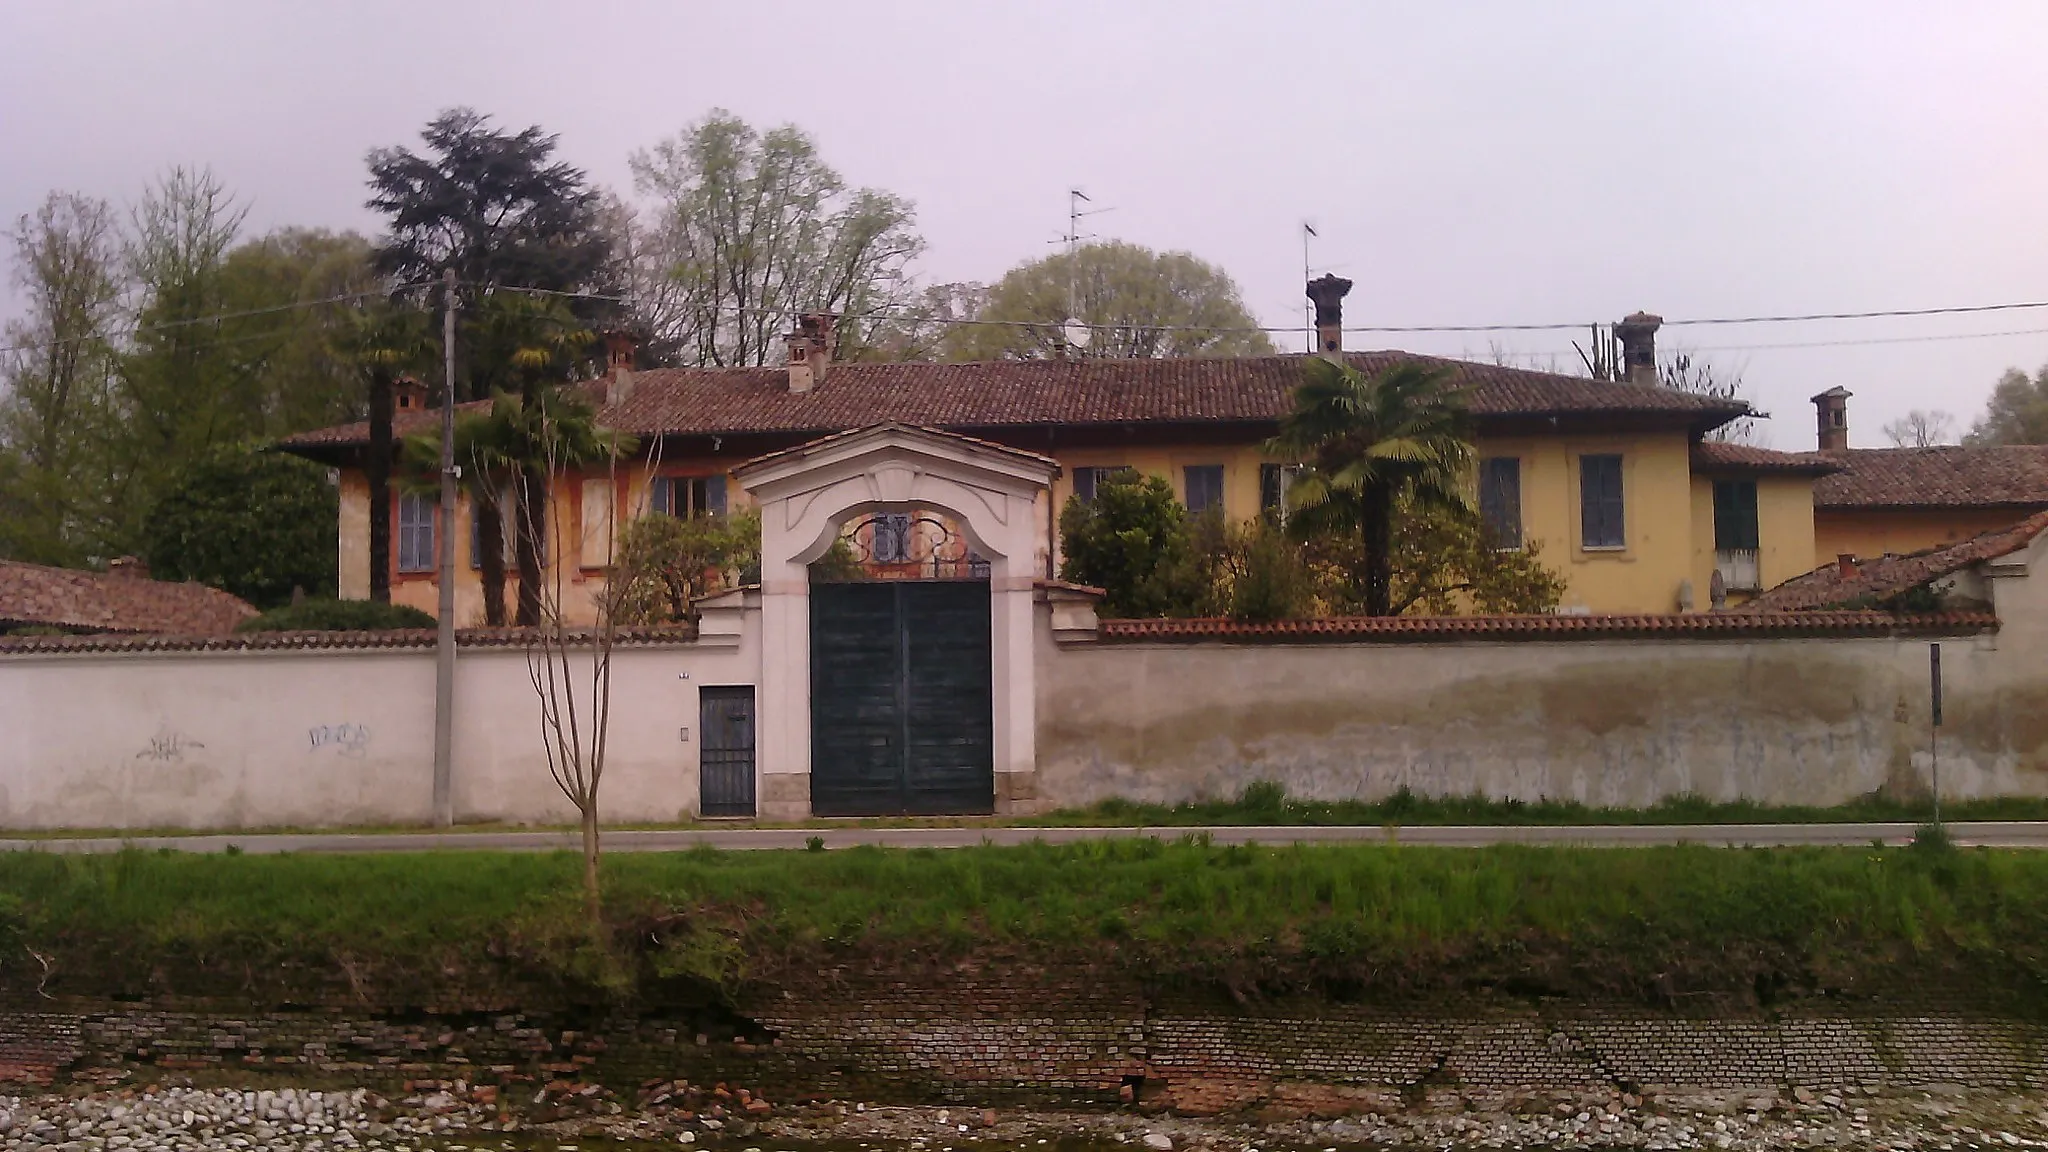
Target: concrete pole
(444,646)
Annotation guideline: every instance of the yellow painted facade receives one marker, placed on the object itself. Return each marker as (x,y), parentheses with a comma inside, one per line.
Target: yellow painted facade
(1663,565)
(1875,532)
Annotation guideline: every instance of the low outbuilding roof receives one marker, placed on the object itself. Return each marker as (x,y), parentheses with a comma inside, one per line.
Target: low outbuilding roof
(1951,476)
(77,600)
(1880,578)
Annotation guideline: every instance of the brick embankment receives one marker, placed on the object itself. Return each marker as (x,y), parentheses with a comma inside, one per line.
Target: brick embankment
(1025,1037)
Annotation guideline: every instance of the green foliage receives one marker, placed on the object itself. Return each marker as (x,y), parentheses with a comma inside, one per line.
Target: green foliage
(1266,574)
(667,563)
(838,563)
(1372,447)
(337,616)
(248,520)
(1135,543)
(2017,412)
(1139,303)
(746,227)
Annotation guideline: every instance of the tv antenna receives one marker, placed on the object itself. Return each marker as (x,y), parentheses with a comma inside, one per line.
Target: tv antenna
(1075,332)
(1308,311)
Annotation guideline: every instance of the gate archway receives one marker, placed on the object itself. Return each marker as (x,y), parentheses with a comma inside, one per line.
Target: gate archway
(873,759)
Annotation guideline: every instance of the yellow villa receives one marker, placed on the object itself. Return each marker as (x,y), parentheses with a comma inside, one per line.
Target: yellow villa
(1616,483)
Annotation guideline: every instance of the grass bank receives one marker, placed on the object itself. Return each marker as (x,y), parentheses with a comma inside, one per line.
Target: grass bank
(1269,804)
(1657,924)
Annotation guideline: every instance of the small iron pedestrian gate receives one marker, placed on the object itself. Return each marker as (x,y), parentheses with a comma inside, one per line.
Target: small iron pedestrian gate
(725,751)
(901,709)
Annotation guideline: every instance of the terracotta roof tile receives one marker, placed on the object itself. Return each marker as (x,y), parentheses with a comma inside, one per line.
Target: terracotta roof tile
(1954,476)
(1395,629)
(395,639)
(1711,455)
(82,601)
(999,394)
(1882,577)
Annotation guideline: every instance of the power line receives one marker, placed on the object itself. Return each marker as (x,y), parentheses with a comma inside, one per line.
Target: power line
(195,321)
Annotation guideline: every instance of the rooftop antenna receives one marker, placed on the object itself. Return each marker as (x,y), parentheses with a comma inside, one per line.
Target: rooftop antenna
(1308,311)
(1074,331)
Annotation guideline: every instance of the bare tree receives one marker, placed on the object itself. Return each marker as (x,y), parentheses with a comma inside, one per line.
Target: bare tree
(1921,429)
(570,665)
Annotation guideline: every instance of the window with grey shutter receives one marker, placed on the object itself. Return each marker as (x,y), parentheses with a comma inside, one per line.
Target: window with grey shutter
(1204,484)
(1601,523)
(1087,481)
(415,532)
(1735,515)
(1274,481)
(1500,499)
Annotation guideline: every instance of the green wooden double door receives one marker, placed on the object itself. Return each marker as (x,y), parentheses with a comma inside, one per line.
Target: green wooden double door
(901,711)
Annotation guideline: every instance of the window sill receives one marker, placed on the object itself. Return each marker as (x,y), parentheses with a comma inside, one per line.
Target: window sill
(1604,549)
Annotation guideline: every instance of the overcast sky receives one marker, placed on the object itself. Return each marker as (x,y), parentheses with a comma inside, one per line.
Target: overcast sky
(1465,163)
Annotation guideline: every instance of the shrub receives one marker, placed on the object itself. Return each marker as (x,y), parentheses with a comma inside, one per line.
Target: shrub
(1136,543)
(337,616)
(247,520)
(668,563)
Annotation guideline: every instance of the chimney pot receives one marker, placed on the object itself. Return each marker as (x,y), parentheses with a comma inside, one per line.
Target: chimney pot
(1831,414)
(619,347)
(128,568)
(1637,333)
(1845,565)
(800,363)
(1328,292)
(408,394)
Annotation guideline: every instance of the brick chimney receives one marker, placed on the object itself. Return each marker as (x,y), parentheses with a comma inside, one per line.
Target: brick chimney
(408,394)
(619,346)
(1637,333)
(1831,414)
(810,349)
(1845,565)
(128,568)
(1328,292)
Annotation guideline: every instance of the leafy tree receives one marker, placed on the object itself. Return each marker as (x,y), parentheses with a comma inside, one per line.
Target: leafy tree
(298,380)
(59,403)
(1372,445)
(1268,576)
(2017,412)
(1138,303)
(495,206)
(257,523)
(1445,562)
(668,563)
(744,229)
(382,341)
(337,616)
(1921,429)
(1134,541)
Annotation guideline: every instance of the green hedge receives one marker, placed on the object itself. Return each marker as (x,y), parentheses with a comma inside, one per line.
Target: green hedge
(337,616)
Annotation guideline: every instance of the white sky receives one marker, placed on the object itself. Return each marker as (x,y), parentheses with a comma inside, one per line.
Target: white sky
(1465,162)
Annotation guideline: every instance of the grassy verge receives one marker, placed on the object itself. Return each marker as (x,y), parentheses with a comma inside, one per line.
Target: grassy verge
(1635,923)
(1264,804)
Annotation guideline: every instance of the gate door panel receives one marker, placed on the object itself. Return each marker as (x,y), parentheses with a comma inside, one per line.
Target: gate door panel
(725,751)
(901,712)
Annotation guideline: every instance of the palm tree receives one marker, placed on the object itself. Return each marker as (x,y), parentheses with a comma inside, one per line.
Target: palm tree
(1367,443)
(384,342)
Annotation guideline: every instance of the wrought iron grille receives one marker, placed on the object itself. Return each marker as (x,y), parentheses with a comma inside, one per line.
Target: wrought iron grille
(912,545)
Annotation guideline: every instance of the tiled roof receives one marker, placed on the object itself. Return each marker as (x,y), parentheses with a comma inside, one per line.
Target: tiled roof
(78,600)
(824,442)
(1955,476)
(1714,454)
(1397,629)
(1882,577)
(394,639)
(1000,394)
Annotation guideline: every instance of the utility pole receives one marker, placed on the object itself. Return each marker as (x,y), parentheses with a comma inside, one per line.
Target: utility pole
(444,645)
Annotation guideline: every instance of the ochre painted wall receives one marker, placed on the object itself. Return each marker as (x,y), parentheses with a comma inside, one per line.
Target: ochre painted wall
(1784,529)
(1876,532)
(1665,521)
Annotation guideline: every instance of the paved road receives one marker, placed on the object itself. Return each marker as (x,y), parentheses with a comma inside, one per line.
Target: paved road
(1999,834)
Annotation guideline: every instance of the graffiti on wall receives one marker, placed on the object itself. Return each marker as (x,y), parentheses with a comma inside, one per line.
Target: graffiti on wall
(351,740)
(168,746)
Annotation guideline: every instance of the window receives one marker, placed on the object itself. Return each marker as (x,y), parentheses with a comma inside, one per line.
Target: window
(415,532)
(1500,499)
(1735,516)
(1087,480)
(1600,504)
(597,523)
(1204,483)
(1274,481)
(891,532)
(687,496)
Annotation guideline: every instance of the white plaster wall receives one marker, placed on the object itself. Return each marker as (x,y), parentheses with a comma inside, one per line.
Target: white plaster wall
(330,738)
